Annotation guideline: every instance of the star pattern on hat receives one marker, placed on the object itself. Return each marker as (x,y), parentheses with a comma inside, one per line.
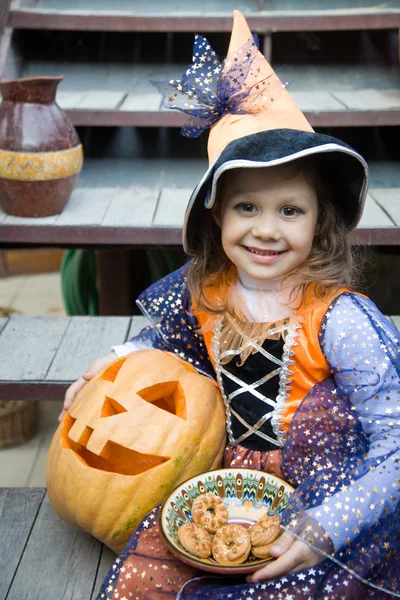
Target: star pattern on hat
(210,88)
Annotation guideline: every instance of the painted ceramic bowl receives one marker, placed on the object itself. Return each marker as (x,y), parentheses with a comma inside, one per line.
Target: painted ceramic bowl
(246,493)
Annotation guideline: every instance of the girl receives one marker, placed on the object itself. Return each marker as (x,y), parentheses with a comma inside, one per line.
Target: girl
(308,369)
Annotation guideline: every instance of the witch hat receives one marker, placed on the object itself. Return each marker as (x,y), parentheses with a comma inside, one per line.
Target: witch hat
(254,122)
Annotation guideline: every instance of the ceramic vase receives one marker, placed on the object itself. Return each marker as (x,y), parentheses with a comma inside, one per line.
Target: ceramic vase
(40,152)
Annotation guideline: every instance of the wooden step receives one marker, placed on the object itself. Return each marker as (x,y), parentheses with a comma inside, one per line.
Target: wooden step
(153,214)
(118,94)
(189,15)
(34,366)
(335,108)
(33,530)
(50,361)
(185,172)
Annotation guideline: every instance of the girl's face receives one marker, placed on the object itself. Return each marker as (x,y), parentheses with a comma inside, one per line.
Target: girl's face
(267,218)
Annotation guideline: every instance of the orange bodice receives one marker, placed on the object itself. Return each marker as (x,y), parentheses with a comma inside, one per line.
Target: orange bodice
(309,365)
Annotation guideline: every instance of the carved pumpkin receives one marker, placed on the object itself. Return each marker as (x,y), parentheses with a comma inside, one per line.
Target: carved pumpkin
(146,423)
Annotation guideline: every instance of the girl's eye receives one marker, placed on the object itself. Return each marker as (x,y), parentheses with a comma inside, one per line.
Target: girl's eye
(291,211)
(246,207)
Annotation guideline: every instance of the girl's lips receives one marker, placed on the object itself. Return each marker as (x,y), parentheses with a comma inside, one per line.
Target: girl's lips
(264,256)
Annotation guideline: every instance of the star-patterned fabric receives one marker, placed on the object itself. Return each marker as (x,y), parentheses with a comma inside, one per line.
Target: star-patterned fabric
(210,88)
(167,305)
(342,455)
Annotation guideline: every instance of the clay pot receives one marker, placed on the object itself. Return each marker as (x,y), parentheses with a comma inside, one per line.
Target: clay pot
(40,152)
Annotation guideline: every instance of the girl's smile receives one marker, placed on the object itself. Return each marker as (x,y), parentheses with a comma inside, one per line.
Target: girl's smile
(268,218)
(264,256)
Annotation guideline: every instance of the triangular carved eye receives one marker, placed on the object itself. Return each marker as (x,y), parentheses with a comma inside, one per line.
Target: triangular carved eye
(112,370)
(168,396)
(111,407)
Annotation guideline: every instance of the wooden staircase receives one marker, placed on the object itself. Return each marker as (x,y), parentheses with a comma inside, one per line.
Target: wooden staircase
(342,65)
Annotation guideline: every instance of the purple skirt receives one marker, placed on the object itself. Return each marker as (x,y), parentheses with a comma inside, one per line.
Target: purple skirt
(325,460)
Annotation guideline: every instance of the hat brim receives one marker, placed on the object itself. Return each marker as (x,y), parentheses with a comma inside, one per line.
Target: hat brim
(345,170)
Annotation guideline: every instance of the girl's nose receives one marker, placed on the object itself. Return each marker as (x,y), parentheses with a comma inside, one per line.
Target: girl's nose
(267,229)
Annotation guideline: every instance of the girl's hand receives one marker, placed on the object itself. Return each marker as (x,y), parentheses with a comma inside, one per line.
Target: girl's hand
(73,389)
(291,555)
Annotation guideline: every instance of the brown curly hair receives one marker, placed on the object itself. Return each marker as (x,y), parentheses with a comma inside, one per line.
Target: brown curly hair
(331,264)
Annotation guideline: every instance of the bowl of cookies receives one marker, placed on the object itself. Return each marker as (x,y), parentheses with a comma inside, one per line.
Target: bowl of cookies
(225,521)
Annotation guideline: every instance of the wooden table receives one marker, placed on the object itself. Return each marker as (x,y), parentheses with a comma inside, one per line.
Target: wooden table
(41,557)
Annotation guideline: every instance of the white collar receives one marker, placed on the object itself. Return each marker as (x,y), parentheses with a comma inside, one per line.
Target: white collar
(273,285)
(260,301)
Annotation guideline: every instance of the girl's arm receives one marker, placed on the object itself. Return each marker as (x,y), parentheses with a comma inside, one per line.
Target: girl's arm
(145,340)
(344,448)
(362,349)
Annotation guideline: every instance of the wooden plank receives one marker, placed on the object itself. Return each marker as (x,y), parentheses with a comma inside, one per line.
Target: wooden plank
(4,10)
(18,511)
(80,76)
(106,560)
(87,206)
(86,339)
(146,102)
(389,200)
(11,61)
(3,266)
(375,236)
(365,117)
(135,78)
(11,220)
(313,86)
(32,391)
(316,101)
(137,324)
(373,99)
(3,322)
(374,216)
(67,100)
(100,100)
(267,46)
(396,321)
(330,20)
(115,235)
(132,206)
(171,207)
(136,6)
(3,215)
(120,235)
(137,172)
(125,118)
(59,561)
(210,7)
(5,51)
(28,346)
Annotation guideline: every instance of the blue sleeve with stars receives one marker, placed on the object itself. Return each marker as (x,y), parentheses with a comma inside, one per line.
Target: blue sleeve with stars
(167,306)
(361,347)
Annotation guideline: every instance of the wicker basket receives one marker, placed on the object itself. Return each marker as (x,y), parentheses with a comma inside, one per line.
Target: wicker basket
(18,421)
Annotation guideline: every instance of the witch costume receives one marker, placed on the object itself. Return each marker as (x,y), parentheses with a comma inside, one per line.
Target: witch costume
(312,393)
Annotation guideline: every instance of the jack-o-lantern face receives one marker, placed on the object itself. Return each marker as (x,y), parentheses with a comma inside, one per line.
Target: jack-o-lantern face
(113,456)
(146,423)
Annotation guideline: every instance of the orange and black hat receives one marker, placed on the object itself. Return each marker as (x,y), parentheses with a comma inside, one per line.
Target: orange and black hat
(254,122)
